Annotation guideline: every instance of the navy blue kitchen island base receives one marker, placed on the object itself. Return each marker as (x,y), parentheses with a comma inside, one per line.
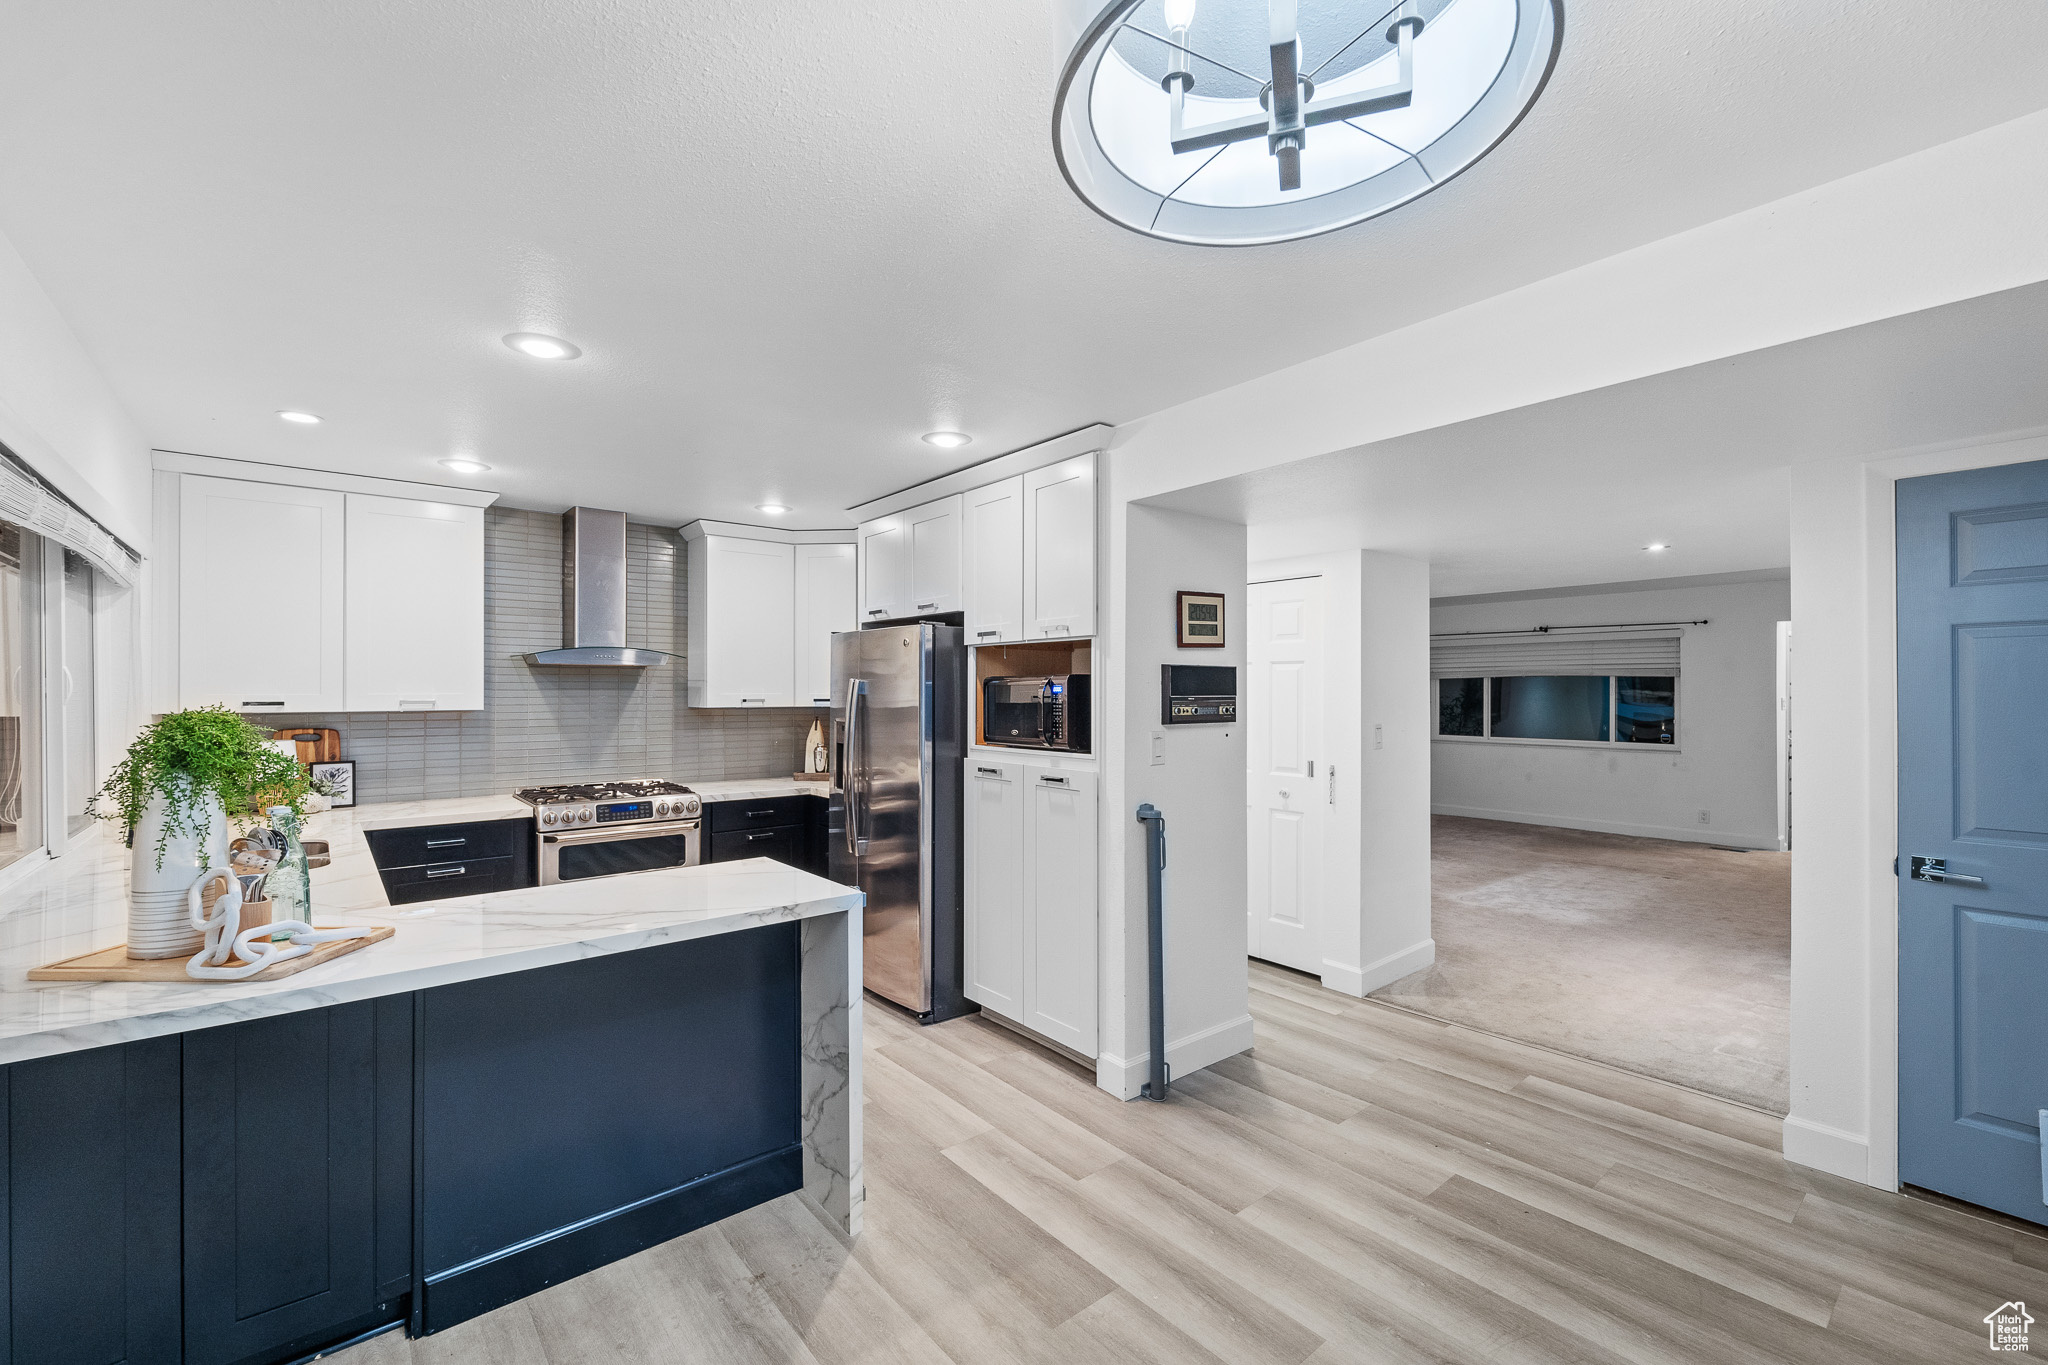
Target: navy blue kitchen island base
(255,1191)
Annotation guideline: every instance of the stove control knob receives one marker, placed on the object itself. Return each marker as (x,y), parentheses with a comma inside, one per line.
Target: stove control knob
(547,817)
(689,805)
(661,808)
(585,814)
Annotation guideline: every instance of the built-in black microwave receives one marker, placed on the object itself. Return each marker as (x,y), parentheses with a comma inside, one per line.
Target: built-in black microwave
(1041,712)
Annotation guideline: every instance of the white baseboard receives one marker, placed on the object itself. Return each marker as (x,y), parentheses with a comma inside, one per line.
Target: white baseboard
(1827,1149)
(1363,981)
(1125,1077)
(1691,834)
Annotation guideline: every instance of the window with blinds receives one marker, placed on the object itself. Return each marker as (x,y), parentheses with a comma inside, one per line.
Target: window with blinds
(1569,688)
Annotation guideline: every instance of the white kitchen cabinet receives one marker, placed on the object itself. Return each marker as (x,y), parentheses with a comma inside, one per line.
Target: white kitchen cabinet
(1059,549)
(993,562)
(414,605)
(994,885)
(933,534)
(741,650)
(824,604)
(1031,931)
(1060,922)
(910,562)
(261,593)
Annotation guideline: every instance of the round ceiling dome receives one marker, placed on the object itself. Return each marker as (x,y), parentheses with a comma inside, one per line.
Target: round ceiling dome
(1238,122)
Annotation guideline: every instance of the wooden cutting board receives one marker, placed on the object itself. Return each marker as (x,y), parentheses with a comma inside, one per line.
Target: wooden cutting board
(315,744)
(114,964)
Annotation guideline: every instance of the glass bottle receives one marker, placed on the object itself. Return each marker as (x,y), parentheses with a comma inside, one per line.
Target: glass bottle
(291,882)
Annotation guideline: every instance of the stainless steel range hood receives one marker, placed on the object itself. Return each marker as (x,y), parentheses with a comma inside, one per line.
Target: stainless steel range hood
(594,596)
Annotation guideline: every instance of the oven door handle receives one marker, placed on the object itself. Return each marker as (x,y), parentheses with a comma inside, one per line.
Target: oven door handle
(612,836)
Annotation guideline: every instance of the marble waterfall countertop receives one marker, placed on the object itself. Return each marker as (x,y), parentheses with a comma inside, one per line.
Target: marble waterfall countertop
(78,904)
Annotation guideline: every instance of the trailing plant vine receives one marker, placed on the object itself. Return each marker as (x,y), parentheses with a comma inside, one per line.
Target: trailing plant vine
(187,755)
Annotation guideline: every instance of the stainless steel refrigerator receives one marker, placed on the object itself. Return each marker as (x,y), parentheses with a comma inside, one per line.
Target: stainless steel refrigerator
(898,737)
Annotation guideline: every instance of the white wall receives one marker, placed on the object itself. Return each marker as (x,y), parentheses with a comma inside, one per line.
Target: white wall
(1845,913)
(1725,760)
(58,413)
(1200,788)
(1375,926)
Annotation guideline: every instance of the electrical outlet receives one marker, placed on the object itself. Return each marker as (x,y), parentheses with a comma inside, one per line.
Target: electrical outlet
(1706,817)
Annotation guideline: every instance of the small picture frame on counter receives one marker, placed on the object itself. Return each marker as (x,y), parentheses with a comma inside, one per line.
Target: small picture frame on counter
(340,775)
(1199,619)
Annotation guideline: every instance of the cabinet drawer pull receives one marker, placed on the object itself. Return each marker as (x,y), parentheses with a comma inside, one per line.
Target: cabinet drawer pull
(263,703)
(988,772)
(753,813)
(417,703)
(768,835)
(1052,781)
(753,701)
(984,634)
(446,843)
(926,606)
(877,611)
(456,871)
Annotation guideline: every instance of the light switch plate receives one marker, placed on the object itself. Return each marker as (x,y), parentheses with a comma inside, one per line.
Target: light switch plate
(1158,748)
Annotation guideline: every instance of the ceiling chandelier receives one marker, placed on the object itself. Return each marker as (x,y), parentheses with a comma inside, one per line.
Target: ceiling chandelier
(1266,120)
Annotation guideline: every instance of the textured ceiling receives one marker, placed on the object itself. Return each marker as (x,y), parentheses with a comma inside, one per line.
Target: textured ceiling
(792,238)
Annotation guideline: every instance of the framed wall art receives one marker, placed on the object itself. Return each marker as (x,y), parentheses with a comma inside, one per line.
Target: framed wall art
(340,775)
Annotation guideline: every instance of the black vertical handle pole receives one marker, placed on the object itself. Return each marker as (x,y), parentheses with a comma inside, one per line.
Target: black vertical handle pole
(1155,941)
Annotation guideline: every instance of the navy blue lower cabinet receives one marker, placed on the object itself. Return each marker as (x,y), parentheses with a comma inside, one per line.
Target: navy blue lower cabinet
(573,1115)
(297,1190)
(91,1252)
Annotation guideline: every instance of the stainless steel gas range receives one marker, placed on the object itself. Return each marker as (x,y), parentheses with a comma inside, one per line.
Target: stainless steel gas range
(600,829)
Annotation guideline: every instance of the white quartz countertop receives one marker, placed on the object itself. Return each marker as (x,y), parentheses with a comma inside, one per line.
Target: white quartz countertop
(78,904)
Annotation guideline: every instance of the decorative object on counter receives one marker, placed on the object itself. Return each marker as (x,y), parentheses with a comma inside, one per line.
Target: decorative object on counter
(314,743)
(237,949)
(1199,619)
(291,885)
(335,780)
(173,791)
(814,755)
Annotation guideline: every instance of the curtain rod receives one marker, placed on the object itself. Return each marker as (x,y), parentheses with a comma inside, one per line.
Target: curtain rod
(1545,630)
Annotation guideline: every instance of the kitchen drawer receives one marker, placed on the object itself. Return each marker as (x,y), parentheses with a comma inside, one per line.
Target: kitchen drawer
(421,844)
(783,843)
(438,881)
(774,810)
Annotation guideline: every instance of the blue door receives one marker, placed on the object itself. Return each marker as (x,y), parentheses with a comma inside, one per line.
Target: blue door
(1973,834)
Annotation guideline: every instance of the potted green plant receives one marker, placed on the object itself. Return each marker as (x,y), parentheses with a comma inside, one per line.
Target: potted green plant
(174,790)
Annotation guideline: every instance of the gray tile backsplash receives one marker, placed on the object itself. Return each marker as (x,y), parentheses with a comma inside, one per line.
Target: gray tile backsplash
(564,724)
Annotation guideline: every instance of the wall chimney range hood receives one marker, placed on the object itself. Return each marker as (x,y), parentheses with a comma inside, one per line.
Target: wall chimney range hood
(594,596)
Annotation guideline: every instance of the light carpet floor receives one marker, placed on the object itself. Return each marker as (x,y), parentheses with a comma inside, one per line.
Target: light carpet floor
(1668,959)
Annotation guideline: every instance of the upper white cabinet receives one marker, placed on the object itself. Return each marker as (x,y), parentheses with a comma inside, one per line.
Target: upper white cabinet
(261,593)
(415,605)
(824,604)
(742,643)
(910,562)
(884,569)
(993,519)
(763,608)
(1059,549)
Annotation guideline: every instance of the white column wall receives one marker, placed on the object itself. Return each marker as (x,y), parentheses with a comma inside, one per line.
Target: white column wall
(1150,554)
(1845,1056)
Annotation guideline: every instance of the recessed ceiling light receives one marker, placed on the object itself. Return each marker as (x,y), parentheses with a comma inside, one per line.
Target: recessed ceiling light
(462,466)
(305,419)
(946,440)
(773,509)
(542,347)
(1656,547)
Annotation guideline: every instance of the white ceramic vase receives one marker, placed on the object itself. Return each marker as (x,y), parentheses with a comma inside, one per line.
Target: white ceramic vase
(159,924)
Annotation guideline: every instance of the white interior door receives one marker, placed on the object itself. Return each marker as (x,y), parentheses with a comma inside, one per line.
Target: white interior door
(1284,709)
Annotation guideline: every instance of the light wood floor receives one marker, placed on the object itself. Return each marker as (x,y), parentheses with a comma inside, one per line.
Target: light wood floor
(1365,1186)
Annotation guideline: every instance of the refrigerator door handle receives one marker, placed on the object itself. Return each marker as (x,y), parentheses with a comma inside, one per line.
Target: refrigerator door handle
(854,778)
